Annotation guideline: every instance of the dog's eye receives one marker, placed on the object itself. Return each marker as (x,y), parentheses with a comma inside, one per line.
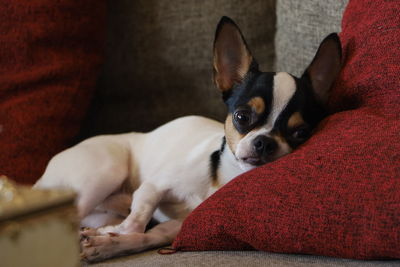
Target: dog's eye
(301,133)
(242,117)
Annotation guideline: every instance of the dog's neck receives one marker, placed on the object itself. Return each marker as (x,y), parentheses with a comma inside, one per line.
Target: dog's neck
(228,168)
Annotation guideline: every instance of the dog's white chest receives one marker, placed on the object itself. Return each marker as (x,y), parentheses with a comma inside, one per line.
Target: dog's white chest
(176,158)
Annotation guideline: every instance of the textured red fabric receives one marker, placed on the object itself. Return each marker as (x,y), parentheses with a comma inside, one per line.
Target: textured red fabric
(50,53)
(339,194)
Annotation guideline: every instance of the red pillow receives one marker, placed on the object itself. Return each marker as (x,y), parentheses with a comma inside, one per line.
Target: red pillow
(50,52)
(339,194)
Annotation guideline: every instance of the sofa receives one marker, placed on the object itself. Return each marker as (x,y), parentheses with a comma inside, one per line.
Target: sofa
(118,66)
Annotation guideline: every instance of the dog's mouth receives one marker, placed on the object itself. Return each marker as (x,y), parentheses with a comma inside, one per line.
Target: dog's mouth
(251,162)
(249,159)
(255,161)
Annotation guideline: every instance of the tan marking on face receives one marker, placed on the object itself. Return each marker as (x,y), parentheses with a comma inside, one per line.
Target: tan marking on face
(295,120)
(257,104)
(280,139)
(283,145)
(233,137)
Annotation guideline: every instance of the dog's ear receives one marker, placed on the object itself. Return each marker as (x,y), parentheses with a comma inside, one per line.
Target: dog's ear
(232,58)
(325,67)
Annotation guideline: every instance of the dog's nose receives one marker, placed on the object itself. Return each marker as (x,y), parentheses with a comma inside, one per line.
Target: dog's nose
(264,145)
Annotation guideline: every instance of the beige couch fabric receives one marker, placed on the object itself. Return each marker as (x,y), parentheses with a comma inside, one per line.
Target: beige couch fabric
(234,259)
(301,26)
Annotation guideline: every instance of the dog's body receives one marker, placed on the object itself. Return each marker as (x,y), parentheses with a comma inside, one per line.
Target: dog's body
(175,174)
(125,180)
(168,179)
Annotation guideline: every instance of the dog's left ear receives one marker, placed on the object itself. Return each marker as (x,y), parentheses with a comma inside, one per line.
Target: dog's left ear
(232,58)
(325,67)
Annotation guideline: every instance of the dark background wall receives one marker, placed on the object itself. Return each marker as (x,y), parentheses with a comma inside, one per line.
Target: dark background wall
(159,60)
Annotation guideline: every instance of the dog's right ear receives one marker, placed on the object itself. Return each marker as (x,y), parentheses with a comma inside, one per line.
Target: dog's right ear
(232,58)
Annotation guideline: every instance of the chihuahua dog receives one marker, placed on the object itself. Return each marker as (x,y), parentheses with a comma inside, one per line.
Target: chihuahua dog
(123,181)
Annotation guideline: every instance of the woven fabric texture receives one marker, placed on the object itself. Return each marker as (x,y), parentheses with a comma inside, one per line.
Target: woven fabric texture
(159,60)
(301,25)
(50,52)
(233,259)
(338,194)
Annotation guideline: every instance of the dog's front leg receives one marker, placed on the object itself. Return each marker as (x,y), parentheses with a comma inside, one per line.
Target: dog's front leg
(96,248)
(145,200)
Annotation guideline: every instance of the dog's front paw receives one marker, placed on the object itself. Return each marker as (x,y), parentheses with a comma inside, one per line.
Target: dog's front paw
(97,248)
(86,231)
(101,247)
(105,230)
(126,227)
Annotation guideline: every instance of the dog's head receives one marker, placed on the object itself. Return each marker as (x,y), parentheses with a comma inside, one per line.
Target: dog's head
(270,114)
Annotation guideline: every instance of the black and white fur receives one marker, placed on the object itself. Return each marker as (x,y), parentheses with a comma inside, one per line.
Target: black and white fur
(123,181)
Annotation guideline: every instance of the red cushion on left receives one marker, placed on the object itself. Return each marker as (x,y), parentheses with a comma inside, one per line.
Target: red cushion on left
(50,53)
(339,194)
